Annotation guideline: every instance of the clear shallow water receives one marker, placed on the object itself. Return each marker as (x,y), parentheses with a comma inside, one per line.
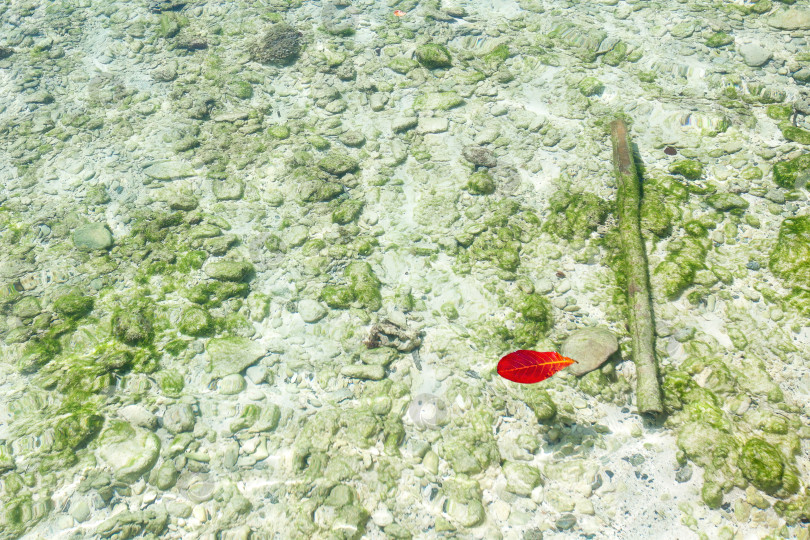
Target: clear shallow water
(260,261)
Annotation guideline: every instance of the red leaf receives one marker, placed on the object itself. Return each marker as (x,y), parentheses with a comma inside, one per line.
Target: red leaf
(527,367)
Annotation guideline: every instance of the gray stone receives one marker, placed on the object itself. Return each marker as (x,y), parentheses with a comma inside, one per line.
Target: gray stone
(80,510)
(178,418)
(791,19)
(311,311)
(232,355)
(590,347)
(137,415)
(92,236)
(169,170)
(754,55)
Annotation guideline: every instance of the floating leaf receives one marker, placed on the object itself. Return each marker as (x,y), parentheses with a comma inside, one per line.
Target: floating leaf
(527,367)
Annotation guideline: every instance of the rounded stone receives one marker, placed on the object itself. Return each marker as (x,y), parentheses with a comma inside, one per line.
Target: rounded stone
(231,384)
(311,311)
(93,236)
(179,418)
(754,55)
(590,347)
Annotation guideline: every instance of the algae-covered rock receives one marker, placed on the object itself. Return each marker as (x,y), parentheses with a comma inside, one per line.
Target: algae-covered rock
(364,284)
(132,326)
(439,101)
(229,270)
(348,211)
(337,297)
(792,173)
(727,201)
(762,464)
(73,305)
(481,183)
(196,322)
(464,501)
(679,267)
(541,404)
(129,451)
(337,163)
(169,170)
(689,169)
(93,236)
(280,44)
(537,309)
(590,86)
(575,215)
(790,258)
(232,355)
(432,55)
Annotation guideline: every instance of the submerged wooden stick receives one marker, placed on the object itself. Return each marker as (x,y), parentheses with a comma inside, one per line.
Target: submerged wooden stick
(642,325)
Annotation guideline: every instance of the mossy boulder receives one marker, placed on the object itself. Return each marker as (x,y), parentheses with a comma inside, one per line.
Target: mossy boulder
(795,134)
(688,168)
(575,215)
(280,44)
(678,269)
(792,173)
(790,258)
(73,305)
(481,183)
(719,39)
(338,297)
(537,309)
(727,201)
(364,284)
(432,55)
(348,211)
(337,164)
(762,464)
(133,326)
(590,86)
(196,322)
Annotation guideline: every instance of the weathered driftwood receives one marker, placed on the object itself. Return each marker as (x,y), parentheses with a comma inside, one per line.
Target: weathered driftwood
(642,324)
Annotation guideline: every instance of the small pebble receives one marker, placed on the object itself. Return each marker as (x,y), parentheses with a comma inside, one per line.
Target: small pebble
(565,522)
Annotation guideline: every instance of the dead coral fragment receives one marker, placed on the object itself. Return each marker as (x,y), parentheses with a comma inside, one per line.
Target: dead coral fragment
(388,334)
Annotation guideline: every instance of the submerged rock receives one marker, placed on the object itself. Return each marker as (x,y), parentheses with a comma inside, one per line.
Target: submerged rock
(590,347)
(93,236)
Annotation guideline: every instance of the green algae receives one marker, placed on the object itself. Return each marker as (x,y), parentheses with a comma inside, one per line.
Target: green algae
(795,134)
(480,183)
(364,284)
(575,215)
(790,257)
(196,322)
(348,211)
(432,56)
(762,464)
(689,169)
(788,174)
(338,297)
